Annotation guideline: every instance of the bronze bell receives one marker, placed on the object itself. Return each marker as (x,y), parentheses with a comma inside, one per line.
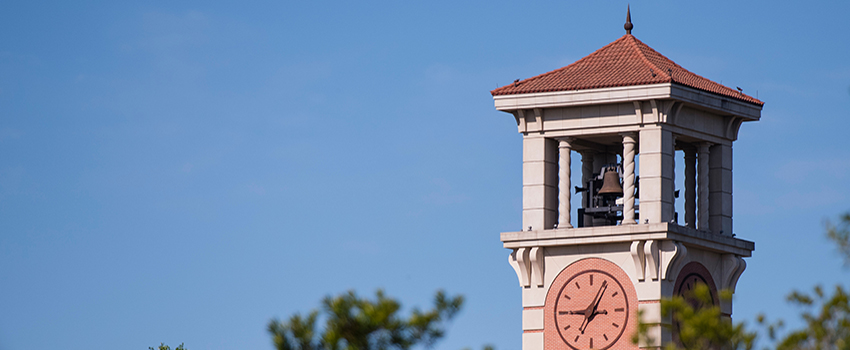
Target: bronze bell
(611,183)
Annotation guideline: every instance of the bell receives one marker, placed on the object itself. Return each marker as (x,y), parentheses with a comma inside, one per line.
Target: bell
(611,184)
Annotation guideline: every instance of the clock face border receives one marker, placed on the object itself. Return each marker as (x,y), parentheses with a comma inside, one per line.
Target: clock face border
(691,269)
(696,268)
(552,337)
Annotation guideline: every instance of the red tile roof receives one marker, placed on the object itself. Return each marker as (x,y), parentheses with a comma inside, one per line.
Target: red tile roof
(624,62)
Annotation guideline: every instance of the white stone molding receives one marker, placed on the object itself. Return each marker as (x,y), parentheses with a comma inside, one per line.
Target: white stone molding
(519,260)
(651,251)
(628,179)
(674,254)
(690,187)
(702,183)
(564,183)
(537,266)
(664,91)
(638,256)
(733,267)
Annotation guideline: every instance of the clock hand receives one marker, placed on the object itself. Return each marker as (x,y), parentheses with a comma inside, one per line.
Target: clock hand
(583,325)
(598,298)
(571,312)
(591,312)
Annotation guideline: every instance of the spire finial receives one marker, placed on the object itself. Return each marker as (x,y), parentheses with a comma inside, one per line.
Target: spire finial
(628,26)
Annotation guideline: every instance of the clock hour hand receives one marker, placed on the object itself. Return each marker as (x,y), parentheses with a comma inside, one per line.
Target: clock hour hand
(572,312)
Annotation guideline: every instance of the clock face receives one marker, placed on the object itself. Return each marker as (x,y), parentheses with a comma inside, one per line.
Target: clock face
(692,275)
(686,288)
(592,310)
(591,304)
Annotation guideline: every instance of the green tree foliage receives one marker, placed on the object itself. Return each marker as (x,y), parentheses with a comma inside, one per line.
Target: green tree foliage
(354,323)
(840,235)
(826,317)
(827,322)
(162,346)
(699,324)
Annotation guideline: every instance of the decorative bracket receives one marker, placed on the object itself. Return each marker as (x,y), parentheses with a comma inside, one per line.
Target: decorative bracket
(521,123)
(672,258)
(538,118)
(733,267)
(651,251)
(537,266)
(638,111)
(528,265)
(657,259)
(639,259)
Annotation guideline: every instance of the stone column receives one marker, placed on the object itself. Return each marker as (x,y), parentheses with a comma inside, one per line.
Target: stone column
(564,151)
(703,159)
(720,193)
(628,179)
(656,175)
(539,183)
(586,175)
(691,187)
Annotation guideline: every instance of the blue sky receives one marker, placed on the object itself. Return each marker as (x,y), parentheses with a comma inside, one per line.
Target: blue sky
(184,172)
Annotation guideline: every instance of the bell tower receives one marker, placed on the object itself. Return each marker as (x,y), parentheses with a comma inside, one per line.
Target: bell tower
(624,111)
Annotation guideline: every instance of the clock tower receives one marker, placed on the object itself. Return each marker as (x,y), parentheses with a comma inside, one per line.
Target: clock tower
(624,111)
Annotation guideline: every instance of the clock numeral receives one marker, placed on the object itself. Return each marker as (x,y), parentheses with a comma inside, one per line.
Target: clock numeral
(578,286)
(576,338)
(591,343)
(605,336)
(567,296)
(619,309)
(615,294)
(616,325)
(567,327)
(591,283)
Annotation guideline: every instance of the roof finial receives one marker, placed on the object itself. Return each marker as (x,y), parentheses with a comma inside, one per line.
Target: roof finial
(628,26)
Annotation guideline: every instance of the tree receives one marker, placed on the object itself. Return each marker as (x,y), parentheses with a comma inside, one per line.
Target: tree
(162,346)
(354,323)
(699,324)
(826,318)
(840,235)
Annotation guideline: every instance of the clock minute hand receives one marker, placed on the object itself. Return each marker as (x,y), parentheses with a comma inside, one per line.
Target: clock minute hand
(597,299)
(590,313)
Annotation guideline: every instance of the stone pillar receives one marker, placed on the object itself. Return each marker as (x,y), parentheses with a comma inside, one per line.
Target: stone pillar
(586,175)
(539,183)
(720,192)
(691,187)
(564,185)
(628,179)
(703,159)
(656,175)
